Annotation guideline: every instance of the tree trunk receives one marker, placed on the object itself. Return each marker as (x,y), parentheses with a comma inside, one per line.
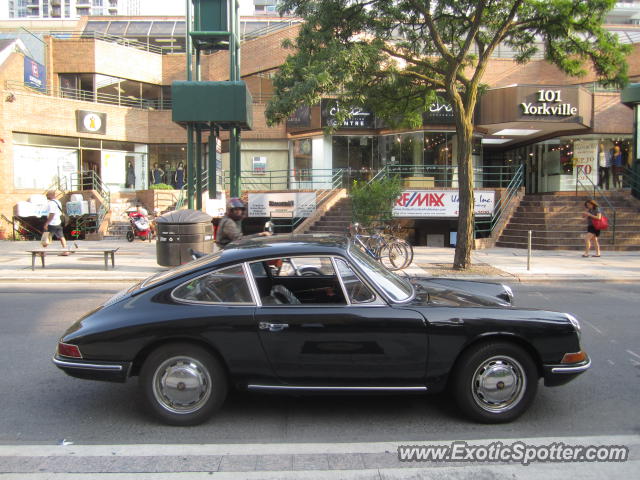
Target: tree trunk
(465,237)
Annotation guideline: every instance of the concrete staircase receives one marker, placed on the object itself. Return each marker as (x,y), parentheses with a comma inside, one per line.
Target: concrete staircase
(556,223)
(336,220)
(117,230)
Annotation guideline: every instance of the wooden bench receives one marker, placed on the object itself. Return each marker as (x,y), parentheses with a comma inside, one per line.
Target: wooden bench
(42,252)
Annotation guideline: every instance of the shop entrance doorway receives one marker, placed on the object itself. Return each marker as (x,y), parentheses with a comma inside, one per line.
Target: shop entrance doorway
(90,167)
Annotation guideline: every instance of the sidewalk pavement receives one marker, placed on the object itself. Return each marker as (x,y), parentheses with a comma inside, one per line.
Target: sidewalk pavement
(136,261)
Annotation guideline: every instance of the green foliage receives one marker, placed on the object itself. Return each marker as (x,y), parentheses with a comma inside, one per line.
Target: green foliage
(161,186)
(373,202)
(395,56)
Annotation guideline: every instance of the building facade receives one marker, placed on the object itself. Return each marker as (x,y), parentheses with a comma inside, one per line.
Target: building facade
(100,101)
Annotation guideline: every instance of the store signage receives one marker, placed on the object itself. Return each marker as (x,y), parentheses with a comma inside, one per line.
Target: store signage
(35,74)
(549,103)
(440,203)
(439,112)
(300,118)
(286,204)
(359,118)
(91,122)
(260,165)
(585,154)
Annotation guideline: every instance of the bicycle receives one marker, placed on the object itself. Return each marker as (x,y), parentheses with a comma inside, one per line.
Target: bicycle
(392,253)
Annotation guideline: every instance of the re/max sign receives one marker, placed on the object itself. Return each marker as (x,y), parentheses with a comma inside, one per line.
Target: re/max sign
(411,199)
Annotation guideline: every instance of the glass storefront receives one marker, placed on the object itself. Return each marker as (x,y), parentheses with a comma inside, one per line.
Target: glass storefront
(42,161)
(570,162)
(168,163)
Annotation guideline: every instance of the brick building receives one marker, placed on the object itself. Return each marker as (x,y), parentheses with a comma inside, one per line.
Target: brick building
(100,102)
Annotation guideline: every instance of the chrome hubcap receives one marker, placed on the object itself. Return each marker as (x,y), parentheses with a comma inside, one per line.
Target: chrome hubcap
(498,384)
(182,385)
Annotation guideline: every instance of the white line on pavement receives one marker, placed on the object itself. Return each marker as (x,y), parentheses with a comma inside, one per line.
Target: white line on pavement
(584,471)
(142,450)
(633,353)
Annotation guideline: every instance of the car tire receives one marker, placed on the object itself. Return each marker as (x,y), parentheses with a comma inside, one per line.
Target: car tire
(495,382)
(183,384)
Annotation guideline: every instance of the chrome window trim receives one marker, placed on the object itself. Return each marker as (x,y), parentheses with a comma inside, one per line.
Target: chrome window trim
(198,302)
(382,291)
(376,302)
(344,289)
(253,288)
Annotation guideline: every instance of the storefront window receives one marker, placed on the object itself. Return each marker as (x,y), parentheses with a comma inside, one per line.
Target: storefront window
(302,160)
(167,164)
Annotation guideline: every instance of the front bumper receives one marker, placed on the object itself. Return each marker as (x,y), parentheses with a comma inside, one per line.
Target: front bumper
(93,370)
(559,374)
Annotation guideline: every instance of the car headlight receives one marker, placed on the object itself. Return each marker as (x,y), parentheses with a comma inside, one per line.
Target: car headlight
(576,324)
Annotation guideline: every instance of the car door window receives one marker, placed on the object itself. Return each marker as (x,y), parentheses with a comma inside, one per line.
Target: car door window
(356,289)
(303,281)
(228,285)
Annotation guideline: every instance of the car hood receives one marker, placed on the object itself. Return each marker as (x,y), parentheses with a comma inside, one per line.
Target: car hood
(459,293)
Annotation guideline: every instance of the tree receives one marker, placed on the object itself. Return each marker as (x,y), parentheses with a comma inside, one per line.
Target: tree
(395,56)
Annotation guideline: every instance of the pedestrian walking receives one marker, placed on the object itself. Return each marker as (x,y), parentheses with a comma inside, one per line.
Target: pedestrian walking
(53,223)
(592,212)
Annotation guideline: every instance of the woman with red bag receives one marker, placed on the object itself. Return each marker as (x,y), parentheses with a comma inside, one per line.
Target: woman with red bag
(593,213)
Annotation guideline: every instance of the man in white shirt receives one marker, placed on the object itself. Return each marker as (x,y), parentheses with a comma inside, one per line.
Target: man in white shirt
(53,224)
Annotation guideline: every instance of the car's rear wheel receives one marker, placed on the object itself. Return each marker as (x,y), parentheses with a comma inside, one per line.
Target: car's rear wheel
(495,382)
(183,384)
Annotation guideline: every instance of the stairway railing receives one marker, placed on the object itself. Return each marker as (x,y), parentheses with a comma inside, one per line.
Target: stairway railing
(631,179)
(321,196)
(504,203)
(90,180)
(587,186)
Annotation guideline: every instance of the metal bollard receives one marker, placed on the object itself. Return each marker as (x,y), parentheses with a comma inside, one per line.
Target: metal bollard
(529,252)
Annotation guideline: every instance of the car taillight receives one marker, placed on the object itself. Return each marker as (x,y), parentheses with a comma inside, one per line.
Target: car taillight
(574,357)
(68,350)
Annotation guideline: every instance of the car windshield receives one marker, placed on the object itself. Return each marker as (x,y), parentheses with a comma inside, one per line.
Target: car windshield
(395,287)
(179,270)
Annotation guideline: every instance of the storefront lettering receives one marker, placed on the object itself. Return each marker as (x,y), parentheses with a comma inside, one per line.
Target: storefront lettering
(415,199)
(549,105)
(437,107)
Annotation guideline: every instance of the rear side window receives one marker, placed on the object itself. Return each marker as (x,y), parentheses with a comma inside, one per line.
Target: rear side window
(228,285)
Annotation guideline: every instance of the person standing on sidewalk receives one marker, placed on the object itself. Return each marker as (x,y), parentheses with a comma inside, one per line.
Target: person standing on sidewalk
(592,211)
(53,224)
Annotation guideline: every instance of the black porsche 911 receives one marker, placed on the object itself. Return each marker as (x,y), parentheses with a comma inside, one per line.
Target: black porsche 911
(316,314)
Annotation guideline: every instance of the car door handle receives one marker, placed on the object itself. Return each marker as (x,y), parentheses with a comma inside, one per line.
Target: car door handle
(273,327)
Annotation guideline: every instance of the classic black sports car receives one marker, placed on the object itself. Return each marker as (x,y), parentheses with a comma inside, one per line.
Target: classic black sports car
(314,313)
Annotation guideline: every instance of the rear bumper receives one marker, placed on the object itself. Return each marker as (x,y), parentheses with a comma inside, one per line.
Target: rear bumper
(560,374)
(93,370)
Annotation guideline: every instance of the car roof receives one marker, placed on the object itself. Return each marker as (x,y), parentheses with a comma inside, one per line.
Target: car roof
(250,248)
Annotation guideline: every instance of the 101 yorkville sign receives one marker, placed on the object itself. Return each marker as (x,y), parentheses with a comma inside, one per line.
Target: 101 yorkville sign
(549,103)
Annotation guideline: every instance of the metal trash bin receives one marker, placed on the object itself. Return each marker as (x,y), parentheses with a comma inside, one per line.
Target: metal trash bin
(178,232)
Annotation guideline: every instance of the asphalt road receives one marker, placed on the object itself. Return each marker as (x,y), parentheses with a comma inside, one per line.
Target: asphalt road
(41,405)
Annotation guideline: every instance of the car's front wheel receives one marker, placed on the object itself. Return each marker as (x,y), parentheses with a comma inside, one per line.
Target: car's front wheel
(495,382)
(183,384)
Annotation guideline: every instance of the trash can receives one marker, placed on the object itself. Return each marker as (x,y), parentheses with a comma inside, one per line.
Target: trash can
(178,232)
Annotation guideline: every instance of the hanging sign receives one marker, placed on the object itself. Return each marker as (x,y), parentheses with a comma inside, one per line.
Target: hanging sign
(91,122)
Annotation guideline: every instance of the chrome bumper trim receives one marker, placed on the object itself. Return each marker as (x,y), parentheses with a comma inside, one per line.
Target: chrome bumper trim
(337,388)
(577,369)
(87,366)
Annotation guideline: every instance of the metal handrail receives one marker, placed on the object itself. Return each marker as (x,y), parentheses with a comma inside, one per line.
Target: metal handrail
(632,180)
(336,183)
(597,193)
(503,204)
(89,96)
(80,180)
(105,37)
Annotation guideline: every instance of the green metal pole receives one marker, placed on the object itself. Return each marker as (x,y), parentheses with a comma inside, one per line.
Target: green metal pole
(198,168)
(213,153)
(190,165)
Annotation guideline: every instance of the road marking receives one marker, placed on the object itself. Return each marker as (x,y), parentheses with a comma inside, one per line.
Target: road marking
(633,353)
(141,450)
(585,471)
(610,362)
(635,362)
(592,326)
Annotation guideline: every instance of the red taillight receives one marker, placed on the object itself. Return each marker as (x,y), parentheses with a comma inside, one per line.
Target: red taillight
(67,350)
